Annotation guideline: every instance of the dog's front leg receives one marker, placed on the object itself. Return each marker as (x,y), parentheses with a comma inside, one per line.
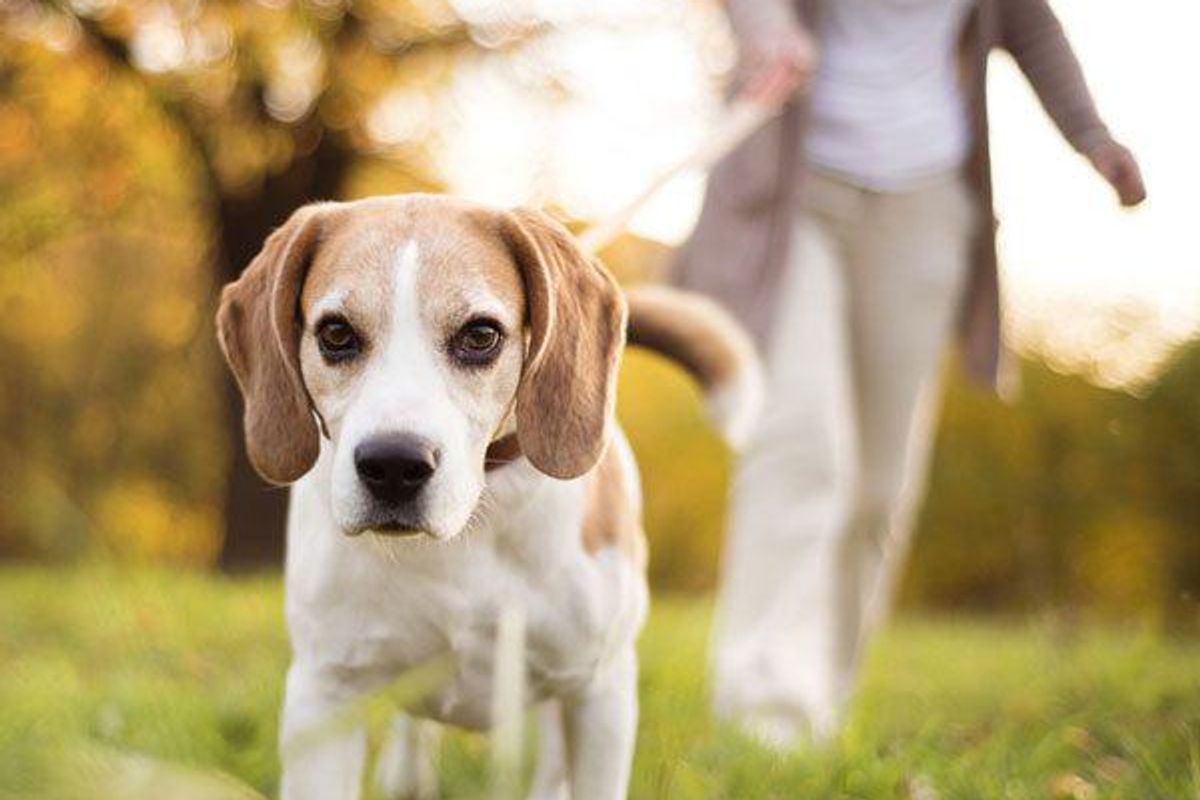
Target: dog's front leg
(601,725)
(550,777)
(323,757)
(407,765)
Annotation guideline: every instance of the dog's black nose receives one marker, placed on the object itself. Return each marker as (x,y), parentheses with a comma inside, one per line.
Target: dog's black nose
(395,467)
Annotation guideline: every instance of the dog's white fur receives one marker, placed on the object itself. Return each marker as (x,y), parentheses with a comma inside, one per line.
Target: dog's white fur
(363,607)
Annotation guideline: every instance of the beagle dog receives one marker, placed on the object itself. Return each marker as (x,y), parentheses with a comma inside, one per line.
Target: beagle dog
(436,381)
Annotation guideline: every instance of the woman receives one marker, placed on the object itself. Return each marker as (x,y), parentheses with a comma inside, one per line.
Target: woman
(851,235)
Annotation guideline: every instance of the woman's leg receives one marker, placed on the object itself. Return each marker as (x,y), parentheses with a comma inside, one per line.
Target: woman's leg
(792,495)
(905,277)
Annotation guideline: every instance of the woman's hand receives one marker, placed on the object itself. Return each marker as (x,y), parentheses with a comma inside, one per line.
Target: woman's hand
(778,65)
(1118,166)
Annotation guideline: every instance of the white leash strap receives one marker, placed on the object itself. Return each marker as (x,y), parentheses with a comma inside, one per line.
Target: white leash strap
(743,118)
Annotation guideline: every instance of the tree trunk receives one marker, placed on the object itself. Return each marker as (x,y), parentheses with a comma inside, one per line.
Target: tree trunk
(256,512)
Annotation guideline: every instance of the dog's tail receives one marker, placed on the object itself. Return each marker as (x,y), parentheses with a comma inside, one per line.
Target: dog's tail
(706,341)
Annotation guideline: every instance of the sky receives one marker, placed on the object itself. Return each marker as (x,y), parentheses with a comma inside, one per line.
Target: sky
(625,89)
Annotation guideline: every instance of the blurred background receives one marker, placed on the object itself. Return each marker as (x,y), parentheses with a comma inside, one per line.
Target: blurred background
(148,147)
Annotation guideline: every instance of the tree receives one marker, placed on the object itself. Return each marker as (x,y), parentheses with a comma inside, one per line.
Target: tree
(1172,440)
(275,102)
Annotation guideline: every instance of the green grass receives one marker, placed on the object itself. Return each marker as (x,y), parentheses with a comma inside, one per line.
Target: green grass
(108,676)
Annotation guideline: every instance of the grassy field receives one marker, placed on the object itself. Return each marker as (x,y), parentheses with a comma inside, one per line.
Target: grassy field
(117,683)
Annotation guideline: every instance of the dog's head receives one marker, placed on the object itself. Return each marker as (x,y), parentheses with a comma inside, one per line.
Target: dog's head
(413,332)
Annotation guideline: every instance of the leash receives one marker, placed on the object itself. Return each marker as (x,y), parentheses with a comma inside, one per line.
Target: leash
(744,117)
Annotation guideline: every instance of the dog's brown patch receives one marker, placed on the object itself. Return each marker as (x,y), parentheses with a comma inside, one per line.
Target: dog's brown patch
(611,518)
(256,326)
(565,404)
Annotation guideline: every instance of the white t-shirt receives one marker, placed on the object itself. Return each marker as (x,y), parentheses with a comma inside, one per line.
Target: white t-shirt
(888,110)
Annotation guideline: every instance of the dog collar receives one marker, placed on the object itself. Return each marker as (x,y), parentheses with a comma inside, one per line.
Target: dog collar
(501,452)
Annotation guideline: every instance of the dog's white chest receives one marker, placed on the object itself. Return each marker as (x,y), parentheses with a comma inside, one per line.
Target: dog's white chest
(370,609)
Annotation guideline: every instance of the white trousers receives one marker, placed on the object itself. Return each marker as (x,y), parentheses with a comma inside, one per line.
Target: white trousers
(822,499)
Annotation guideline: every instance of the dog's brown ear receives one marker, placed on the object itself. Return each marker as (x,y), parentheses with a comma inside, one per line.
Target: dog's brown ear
(577,329)
(258,326)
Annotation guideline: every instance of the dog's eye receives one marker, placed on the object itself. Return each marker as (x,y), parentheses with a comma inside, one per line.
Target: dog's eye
(477,342)
(337,340)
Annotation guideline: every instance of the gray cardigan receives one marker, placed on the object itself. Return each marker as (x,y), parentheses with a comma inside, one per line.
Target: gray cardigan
(741,241)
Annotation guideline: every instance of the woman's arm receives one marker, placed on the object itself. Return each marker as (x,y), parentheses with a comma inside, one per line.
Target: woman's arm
(776,52)
(1031,32)
(756,20)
